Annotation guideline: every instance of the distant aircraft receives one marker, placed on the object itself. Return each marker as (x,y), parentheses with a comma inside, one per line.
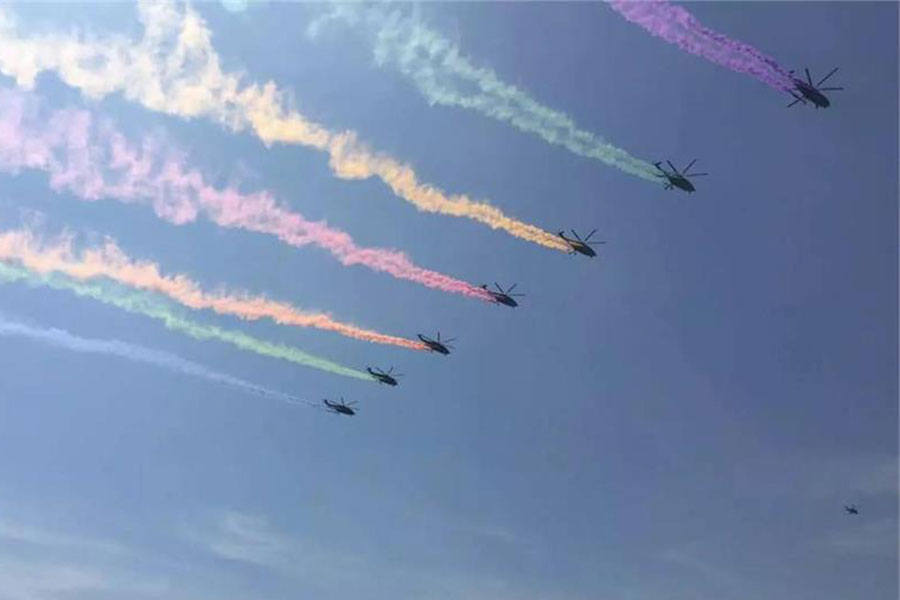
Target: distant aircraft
(387,377)
(851,510)
(582,246)
(678,178)
(340,408)
(441,347)
(503,296)
(811,92)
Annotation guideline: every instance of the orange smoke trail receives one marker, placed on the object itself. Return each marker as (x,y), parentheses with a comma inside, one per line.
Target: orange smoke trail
(175,69)
(111,262)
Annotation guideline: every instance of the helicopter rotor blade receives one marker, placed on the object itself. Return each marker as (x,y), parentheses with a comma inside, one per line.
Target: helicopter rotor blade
(497,285)
(588,236)
(796,100)
(577,237)
(688,168)
(830,89)
(808,77)
(512,287)
(596,242)
(821,81)
(445,342)
(697,175)
(669,162)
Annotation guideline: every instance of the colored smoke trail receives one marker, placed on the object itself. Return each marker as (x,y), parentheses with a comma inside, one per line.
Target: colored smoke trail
(111,262)
(174,69)
(677,26)
(63,339)
(447,78)
(149,306)
(93,160)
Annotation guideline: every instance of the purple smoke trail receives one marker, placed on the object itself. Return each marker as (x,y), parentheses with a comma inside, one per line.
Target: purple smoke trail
(677,26)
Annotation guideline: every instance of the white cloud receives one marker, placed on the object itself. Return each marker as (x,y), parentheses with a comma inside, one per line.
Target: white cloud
(848,478)
(23,580)
(252,539)
(18,532)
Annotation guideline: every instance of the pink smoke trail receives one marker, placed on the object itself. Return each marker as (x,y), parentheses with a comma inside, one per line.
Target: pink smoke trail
(677,26)
(93,160)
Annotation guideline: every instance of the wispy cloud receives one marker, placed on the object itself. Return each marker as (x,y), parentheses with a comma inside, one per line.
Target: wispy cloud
(24,580)
(251,539)
(692,558)
(875,538)
(849,478)
(52,563)
(12,531)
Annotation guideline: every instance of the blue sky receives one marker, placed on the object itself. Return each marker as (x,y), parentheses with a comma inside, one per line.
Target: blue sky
(682,417)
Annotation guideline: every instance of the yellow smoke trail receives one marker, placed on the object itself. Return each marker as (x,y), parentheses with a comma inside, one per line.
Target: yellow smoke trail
(111,262)
(175,69)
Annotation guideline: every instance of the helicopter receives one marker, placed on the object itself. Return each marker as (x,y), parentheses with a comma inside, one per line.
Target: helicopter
(387,377)
(582,246)
(811,92)
(439,346)
(340,408)
(679,179)
(503,296)
(851,510)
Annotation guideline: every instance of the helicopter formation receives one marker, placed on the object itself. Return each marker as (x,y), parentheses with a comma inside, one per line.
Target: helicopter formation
(803,92)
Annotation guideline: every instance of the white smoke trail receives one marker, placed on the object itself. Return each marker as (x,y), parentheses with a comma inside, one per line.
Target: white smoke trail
(63,339)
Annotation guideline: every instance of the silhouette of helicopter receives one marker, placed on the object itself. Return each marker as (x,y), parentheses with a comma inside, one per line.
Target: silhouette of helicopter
(811,92)
(439,346)
(678,178)
(503,296)
(582,246)
(387,377)
(851,510)
(340,408)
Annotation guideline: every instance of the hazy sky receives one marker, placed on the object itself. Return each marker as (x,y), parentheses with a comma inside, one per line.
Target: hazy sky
(682,417)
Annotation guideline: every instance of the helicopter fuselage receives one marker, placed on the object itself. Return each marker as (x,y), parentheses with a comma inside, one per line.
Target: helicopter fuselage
(812,94)
(434,345)
(681,183)
(579,247)
(504,299)
(339,408)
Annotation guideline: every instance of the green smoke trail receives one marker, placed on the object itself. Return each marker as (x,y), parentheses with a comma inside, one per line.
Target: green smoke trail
(445,77)
(148,305)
